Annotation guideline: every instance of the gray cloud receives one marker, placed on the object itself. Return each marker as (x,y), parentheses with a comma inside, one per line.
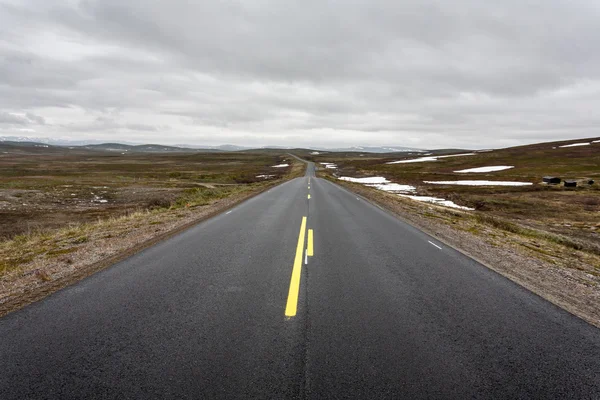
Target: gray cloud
(421,73)
(28,118)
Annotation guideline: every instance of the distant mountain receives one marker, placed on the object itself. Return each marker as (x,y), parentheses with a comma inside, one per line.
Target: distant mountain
(143,148)
(24,144)
(9,146)
(123,146)
(223,147)
(55,142)
(232,147)
(369,149)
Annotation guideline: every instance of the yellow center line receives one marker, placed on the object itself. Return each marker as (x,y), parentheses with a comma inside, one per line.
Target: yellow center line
(292,302)
(309,247)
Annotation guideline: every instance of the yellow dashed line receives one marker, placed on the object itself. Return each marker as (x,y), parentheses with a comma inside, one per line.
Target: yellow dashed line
(309,248)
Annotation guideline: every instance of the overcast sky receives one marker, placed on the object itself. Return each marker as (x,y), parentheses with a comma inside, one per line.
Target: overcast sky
(419,73)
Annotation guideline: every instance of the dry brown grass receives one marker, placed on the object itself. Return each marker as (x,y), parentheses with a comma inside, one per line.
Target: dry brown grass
(47,257)
(562,215)
(49,190)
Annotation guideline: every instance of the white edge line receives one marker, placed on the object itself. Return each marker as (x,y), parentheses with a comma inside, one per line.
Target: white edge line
(228,212)
(430,242)
(306,258)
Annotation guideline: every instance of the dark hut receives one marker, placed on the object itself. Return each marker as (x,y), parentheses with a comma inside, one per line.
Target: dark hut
(551,180)
(570,183)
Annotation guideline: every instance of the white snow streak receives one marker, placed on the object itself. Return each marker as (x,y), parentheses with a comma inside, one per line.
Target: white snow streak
(382,183)
(367,181)
(329,165)
(436,200)
(432,158)
(576,144)
(394,187)
(485,169)
(480,183)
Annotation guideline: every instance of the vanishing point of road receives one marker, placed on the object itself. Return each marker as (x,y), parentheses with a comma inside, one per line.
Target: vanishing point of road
(306,291)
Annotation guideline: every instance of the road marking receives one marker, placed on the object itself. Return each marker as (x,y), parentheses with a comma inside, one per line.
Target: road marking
(309,246)
(430,242)
(228,212)
(309,196)
(292,301)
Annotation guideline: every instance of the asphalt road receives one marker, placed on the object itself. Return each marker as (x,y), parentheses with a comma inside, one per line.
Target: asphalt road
(229,309)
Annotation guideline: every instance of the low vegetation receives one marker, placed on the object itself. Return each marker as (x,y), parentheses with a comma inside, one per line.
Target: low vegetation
(42,190)
(567,215)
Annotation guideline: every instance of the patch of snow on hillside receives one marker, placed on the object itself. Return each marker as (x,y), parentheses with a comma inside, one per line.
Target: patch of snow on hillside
(436,200)
(382,183)
(457,155)
(432,158)
(281,166)
(373,180)
(576,144)
(421,159)
(480,183)
(329,165)
(485,169)
(394,187)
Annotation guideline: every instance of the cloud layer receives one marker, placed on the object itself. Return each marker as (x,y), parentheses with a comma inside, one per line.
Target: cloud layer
(314,73)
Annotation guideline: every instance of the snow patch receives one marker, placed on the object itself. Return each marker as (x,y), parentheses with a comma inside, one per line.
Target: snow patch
(414,160)
(485,169)
(436,200)
(394,187)
(97,199)
(426,159)
(329,165)
(382,183)
(373,180)
(265,176)
(576,144)
(480,183)
(281,166)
